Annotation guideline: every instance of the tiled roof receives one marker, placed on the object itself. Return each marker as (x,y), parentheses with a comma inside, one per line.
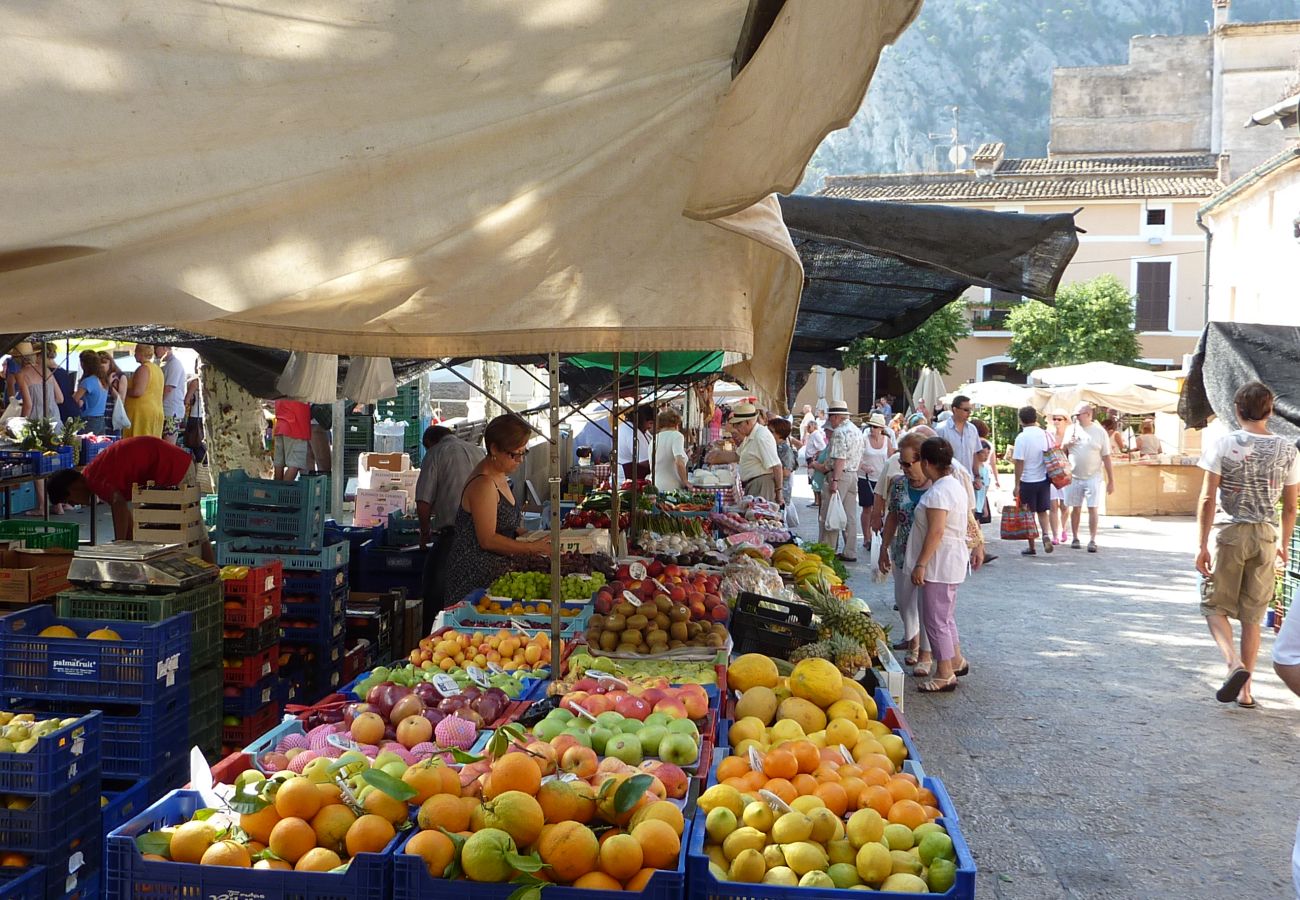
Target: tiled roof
(1190,176)
(1259,173)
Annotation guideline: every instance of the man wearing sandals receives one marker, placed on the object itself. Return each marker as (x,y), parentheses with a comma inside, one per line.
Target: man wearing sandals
(1249,469)
(1089,449)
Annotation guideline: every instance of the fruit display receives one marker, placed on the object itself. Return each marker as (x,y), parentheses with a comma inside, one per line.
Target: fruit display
(768,528)
(100,633)
(803,566)
(680,549)
(537,585)
(19,732)
(636,701)
(662,743)
(508,650)
(747,573)
(410,676)
(489,606)
(638,671)
(525,819)
(848,636)
(678,609)
(827,553)
(571,563)
(664,524)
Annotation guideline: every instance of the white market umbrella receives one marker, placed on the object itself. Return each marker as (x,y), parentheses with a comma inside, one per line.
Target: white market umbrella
(1127,398)
(995,393)
(929,390)
(1103,373)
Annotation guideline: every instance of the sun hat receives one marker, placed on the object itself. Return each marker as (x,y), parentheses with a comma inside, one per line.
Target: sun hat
(742,412)
(23,348)
(1058,413)
(838,408)
(877,421)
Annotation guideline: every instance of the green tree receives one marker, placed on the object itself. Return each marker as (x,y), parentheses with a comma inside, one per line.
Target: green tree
(931,344)
(1091,321)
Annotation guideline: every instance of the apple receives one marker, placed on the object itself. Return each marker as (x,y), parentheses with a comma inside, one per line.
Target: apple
(719,614)
(609,720)
(580,734)
(544,755)
(255,778)
(318,770)
(658,718)
(674,708)
(696,701)
(385,757)
(625,747)
(629,726)
(574,697)
(679,749)
(650,736)
(563,741)
(674,779)
(653,695)
(547,729)
(612,765)
(580,761)
(684,726)
(597,704)
(632,707)
(600,736)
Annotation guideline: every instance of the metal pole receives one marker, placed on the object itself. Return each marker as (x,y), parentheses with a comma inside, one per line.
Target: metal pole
(633,526)
(338,477)
(556,578)
(616,472)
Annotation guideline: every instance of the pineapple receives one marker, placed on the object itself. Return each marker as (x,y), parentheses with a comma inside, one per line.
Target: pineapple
(815,650)
(849,656)
(839,619)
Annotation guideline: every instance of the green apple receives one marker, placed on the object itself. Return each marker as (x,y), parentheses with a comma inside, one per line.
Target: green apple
(318,770)
(650,736)
(247,777)
(386,757)
(684,726)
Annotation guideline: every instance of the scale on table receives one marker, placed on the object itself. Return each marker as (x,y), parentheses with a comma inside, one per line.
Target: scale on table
(140,567)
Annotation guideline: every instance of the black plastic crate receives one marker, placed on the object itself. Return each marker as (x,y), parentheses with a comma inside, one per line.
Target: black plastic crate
(252,640)
(770,626)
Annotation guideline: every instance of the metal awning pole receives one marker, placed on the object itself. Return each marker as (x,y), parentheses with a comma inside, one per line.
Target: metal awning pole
(338,476)
(557,599)
(616,471)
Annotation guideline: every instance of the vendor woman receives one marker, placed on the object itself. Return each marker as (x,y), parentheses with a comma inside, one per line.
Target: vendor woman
(761,473)
(487,522)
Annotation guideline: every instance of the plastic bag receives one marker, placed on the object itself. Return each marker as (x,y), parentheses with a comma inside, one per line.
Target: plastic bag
(121,421)
(369,378)
(836,518)
(791,516)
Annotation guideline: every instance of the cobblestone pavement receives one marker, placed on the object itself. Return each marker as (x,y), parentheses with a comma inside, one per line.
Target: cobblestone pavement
(1085,753)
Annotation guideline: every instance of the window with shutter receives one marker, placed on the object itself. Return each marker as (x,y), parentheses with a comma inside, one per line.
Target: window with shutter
(1153,296)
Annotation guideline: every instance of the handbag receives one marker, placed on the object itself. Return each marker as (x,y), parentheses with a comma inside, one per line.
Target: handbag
(1018,524)
(836,518)
(1058,465)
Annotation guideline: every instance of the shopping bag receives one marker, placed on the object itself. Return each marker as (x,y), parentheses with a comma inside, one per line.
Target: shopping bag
(836,518)
(121,420)
(13,410)
(1018,524)
(791,514)
(1058,467)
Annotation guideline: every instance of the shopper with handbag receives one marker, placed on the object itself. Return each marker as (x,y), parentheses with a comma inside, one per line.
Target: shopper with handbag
(902,493)
(1033,492)
(1089,449)
(1059,514)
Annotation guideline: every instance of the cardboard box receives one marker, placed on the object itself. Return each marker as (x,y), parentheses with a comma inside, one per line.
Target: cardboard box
(389,462)
(573,540)
(384,480)
(373,506)
(30,575)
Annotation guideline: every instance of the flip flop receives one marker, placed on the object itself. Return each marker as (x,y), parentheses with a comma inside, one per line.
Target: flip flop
(923,670)
(1232,687)
(909,660)
(1249,705)
(934,686)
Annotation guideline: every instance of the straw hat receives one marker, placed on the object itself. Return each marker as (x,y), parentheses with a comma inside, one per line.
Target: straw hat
(743,412)
(837,409)
(877,421)
(23,349)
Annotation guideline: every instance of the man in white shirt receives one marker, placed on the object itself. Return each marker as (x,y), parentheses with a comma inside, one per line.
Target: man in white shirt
(637,442)
(1249,470)
(841,469)
(761,473)
(960,433)
(1089,448)
(1032,489)
(175,383)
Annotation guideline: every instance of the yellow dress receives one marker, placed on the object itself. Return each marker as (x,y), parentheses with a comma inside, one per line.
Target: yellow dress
(146,411)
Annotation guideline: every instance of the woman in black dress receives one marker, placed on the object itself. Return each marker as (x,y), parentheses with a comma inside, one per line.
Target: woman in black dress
(487,522)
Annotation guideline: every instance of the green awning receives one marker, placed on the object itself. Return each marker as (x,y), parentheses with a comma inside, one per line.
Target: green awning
(668,364)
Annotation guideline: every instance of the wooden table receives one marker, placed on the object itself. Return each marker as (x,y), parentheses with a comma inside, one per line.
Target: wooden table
(1154,489)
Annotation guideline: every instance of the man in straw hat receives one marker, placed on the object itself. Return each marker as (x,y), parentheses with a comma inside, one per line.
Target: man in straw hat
(761,472)
(841,469)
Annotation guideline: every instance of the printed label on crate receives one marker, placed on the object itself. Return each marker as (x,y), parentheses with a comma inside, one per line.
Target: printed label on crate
(268,585)
(72,772)
(268,611)
(446,685)
(478,676)
(78,742)
(167,669)
(75,668)
(266,668)
(75,862)
(496,668)
(266,696)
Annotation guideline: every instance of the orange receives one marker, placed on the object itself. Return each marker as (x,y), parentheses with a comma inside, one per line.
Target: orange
(806,755)
(931,812)
(329,794)
(513,772)
(805,784)
(830,755)
(908,776)
(732,767)
(925,797)
(664,811)
(470,804)
(426,779)
(907,812)
(386,806)
(782,788)
(570,849)
(613,832)
(318,859)
(435,848)
(902,789)
(739,784)
(850,770)
(754,781)
(443,810)
(273,864)
(835,797)
(564,801)
(331,825)
(875,776)
(877,798)
(621,856)
(598,881)
(369,834)
(298,798)
(190,840)
(291,838)
(780,764)
(826,772)
(853,788)
(638,881)
(258,825)
(659,843)
(227,853)
(877,761)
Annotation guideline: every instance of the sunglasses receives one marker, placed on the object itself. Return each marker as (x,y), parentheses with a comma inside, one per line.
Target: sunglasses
(518,455)
(1058,418)
(908,465)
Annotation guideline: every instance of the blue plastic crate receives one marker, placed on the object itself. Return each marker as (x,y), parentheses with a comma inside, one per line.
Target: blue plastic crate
(268,741)
(466,616)
(90,449)
(74,854)
(67,457)
(378,583)
(368,877)
(250,699)
(298,529)
(701,885)
(142,740)
(126,799)
(329,610)
(50,815)
(173,776)
(149,662)
(22,498)
(314,585)
(22,884)
(57,759)
(380,560)
(412,881)
(324,630)
(240,552)
(238,489)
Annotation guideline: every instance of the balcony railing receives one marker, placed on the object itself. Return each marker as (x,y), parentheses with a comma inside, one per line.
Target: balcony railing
(983,318)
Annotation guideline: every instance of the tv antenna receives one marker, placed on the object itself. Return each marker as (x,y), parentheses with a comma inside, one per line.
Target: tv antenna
(957,151)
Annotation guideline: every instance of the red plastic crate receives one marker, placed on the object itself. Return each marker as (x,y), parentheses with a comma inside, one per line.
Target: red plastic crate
(251,727)
(253,609)
(259,580)
(251,669)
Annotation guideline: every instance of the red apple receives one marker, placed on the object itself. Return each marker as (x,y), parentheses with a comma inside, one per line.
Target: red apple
(562,742)
(674,708)
(597,704)
(674,779)
(653,695)
(579,697)
(630,707)
(695,699)
(579,760)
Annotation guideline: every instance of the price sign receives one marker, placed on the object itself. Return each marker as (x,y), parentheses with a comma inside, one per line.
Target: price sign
(495,668)
(755,759)
(478,676)
(848,757)
(774,801)
(446,685)
(637,571)
(582,712)
(632,598)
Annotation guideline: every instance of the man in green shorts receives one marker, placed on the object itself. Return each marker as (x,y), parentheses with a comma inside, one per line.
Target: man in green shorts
(1249,469)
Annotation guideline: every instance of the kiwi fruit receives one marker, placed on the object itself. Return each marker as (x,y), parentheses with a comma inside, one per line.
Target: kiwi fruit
(656,636)
(632,636)
(679,614)
(637,622)
(608,640)
(663,604)
(677,631)
(625,609)
(615,622)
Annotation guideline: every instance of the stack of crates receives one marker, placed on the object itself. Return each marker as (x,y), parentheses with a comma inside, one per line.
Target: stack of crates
(169,515)
(138,677)
(260,521)
(50,826)
(252,696)
(358,438)
(1288,580)
(203,602)
(405,407)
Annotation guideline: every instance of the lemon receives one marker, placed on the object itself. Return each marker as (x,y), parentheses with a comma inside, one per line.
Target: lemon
(773,856)
(903,883)
(817,879)
(941,875)
(865,826)
(902,861)
(898,837)
(804,857)
(743,839)
(719,823)
(826,826)
(841,851)
(759,815)
(748,866)
(792,828)
(844,875)
(721,795)
(782,875)
(874,863)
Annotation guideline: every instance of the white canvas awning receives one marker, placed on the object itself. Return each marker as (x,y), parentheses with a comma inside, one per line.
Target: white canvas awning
(1104,373)
(396,178)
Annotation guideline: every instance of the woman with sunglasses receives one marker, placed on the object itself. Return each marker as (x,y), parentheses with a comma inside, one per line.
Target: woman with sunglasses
(1059,514)
(488,521)
(902,494)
